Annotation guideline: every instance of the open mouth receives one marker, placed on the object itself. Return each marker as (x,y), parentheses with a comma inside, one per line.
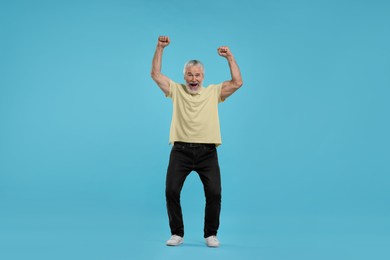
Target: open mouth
(193,85)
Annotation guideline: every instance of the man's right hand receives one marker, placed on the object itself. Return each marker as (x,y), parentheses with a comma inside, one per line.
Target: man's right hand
(163,41)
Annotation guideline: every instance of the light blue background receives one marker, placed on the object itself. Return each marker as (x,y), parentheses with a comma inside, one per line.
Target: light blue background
(84,130)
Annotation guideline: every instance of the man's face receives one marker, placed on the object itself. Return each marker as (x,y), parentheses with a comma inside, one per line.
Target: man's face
(194,78)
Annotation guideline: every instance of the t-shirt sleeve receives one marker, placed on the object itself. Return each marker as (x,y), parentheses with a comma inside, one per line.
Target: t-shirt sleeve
(219,90)
(172,89)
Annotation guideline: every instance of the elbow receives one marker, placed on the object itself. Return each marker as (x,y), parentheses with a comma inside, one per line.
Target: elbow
(238,84)
(154,75)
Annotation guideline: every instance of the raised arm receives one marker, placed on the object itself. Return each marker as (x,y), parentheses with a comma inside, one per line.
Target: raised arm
(161,80)
(230,86)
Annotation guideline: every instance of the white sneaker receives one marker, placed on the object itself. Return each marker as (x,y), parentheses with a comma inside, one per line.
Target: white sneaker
(212,241)
(175,240)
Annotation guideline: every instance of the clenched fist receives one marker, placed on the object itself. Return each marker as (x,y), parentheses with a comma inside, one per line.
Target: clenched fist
(224,51)
(163,41)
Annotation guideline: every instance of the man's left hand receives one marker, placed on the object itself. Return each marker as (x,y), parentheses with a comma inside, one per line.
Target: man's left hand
(224,51)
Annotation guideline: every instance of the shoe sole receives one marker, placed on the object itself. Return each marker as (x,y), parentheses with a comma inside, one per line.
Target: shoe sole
(175,244)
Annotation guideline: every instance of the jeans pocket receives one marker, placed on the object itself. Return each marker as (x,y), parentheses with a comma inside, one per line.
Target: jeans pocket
(209,148)
(178,147)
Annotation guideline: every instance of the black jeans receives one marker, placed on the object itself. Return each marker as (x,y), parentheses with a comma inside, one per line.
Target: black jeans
(202,158)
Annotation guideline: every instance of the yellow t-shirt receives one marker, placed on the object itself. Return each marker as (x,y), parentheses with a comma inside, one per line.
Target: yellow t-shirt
(195,116)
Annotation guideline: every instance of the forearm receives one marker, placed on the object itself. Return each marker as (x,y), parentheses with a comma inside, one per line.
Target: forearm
(157,62)
(234,71)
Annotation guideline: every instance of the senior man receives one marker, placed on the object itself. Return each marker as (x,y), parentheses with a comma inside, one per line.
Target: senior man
(195,134)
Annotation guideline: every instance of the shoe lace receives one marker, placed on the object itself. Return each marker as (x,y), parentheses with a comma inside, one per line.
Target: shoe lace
(175,237)
(214,238)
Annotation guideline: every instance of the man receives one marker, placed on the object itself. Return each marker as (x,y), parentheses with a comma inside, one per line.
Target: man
(194,133)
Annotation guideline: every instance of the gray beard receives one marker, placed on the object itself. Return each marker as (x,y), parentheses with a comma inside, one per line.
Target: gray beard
(193,91)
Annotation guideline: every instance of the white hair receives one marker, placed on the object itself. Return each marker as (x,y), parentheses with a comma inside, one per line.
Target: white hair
(193,63)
